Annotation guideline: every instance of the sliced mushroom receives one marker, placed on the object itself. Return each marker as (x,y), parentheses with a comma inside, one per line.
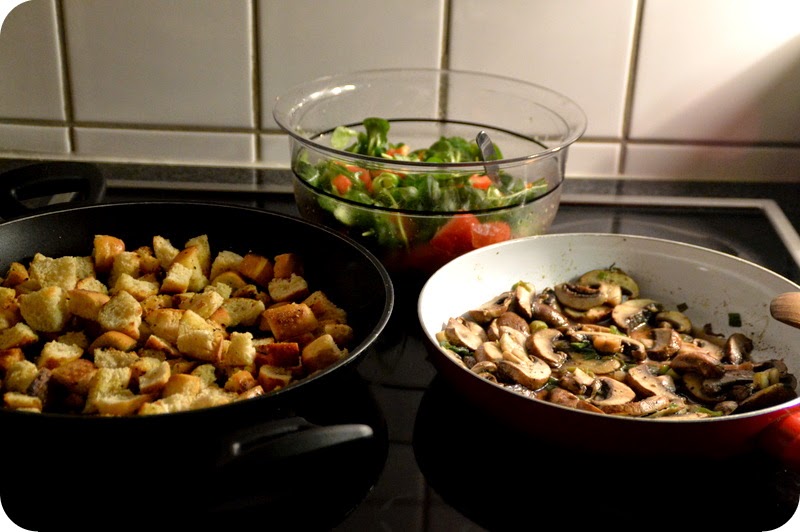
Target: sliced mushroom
(581,296)
(493,308)
(598,366)
(675,319)
(737,348)
(644,407)
(614,276)
(488,351)
(646,384)
(486,366)
(524,294)
(612,392)
(666,342)
(592,315)
(634,347)
(577,381)
(548,314)
(634,312)
(563,397)
(533,375)
(512,320)
(540,345)
(769,396)
(693,384)
(465,333)
(697,361)
(512,349)
(716,386)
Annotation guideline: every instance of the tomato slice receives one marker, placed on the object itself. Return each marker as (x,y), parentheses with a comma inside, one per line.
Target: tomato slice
(455,237)
(490,233)
(342,184)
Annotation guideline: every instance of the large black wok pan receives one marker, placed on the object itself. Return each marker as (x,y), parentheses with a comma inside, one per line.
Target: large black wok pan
(138,471)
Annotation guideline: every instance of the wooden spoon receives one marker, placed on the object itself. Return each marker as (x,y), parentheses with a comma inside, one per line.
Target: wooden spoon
(786,308)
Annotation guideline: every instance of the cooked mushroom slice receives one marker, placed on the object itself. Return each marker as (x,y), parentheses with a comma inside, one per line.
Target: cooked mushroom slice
(540,345)
(485,366)
(634,312)
(769,396)
(513,320)
(666,342)
(592,315)
(492,309)
(737,348)
(608,342)
(644,407)
(693,384)
(726,407)
(532,374)
(612,392)
(488,351)
(675,319)
(645,383)
(563,397)
(731,377)
(697,361)
(523,296)
(614,276)
(577,381)
(597,366)
(548,314)
(512,349)
(465,333)
(581,296)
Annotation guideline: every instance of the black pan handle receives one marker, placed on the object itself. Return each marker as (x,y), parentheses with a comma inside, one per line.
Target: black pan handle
(291,437)
(44,180)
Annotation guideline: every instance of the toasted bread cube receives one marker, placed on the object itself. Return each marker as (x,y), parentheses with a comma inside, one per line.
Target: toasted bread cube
(9,356)
(290,320)
(283,354)
(47,271)
(207,373)
(292,288)
(114,339)
(341,332)
(204,303)
(17,274)
(192,258)
(126,262)
(156,377)
(287,264)
(250,393)
(105,250)
(122,403)
(108,357)
(240,350)
(165,323)
(9,308)
(45,310)
(321,353)
(21,401)
(238,311)
(164,251)
(92,284)
(177,280)
(273,378)
(141,288)
(19,335)
(257,268)
(240,381)
(55,353)
(148,262)
(86,303)
(203,252)
(182,384)
(122,313)
(324,309)
(197,338)
(156,343)
(221,288)
(20,375)
(225,261)
(75,376)
(231,279)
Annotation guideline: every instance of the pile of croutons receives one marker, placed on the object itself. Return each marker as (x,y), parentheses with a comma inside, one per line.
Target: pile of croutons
(160,328)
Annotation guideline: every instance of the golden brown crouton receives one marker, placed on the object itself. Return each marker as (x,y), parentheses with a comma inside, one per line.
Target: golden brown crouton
(182,384)
(122,313)
(240,381)
(198,338)
(321,353)
(192,258)
(54,354)
(108,357)
(283,354)
(164,250)
(115,339)
(20,375)
(238,311)
(292,288)
(9,356)
(225,261)
(45,310)
(240,350)
(141,288)
(204,303)
(75,376)
(86,303)
(203,252)
(19,335)
(178,279)
(273,378)
(21,401)
(17,274)
(290,321)
(287,264)
(61,271)
(257,268)
(126,262)
(324,309)
(165,323)
(105,249)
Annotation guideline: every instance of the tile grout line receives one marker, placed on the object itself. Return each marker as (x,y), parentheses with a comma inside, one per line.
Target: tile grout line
(66,78)
(255,85)
(630,86)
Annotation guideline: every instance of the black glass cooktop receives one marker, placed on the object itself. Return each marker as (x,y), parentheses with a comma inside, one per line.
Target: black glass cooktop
(441,466)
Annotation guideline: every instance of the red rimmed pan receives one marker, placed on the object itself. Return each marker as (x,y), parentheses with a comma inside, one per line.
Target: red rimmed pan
(712,285)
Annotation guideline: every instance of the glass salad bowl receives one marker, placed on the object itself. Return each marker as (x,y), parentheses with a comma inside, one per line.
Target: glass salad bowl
(423,165)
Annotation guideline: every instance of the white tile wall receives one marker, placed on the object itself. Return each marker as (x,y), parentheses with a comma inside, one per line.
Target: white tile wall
(673,89)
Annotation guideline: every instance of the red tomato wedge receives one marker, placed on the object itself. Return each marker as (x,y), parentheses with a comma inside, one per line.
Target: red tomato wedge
(480,181)
(455,237)
(490,233)
(341,183)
